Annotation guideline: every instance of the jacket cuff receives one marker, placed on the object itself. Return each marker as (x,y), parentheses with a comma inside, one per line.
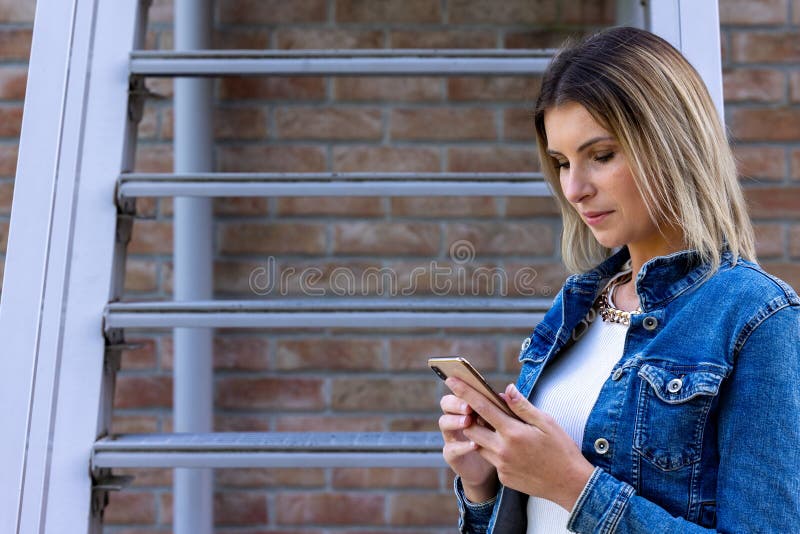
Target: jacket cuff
(600,505)
(472,517)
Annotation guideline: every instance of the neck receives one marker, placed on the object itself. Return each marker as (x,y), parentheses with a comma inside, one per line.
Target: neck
(641,253)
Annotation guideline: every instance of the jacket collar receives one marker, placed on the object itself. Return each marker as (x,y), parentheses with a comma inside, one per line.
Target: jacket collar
(660,280)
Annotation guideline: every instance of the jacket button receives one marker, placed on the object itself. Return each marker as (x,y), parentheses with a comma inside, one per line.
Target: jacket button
(617,374)
(601,446)
(650,323)
(675,385)
(525,344)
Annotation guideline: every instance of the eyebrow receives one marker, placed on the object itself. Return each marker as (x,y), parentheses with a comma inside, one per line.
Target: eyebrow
(588,143)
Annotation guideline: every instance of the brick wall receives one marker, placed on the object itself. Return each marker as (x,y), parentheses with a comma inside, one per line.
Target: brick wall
(377,380)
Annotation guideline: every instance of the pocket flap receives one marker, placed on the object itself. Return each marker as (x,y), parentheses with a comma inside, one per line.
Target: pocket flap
(675,386)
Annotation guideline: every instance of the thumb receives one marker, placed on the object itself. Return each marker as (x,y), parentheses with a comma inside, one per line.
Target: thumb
(520,405)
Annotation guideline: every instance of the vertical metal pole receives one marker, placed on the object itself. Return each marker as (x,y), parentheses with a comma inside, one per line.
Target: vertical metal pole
(193,383)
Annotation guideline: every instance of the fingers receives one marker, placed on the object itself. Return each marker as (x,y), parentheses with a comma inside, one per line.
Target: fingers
(454,405)
(480,404)
(524,409)
(454,423)
(455,449)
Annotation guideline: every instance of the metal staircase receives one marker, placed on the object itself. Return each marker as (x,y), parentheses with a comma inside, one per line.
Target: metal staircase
(60,322)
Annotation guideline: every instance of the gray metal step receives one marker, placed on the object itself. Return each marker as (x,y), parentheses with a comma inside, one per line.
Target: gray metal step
(132,185)
(330,312)
(273,449)
(407,62)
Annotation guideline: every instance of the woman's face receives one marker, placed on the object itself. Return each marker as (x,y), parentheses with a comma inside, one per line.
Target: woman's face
(597,180)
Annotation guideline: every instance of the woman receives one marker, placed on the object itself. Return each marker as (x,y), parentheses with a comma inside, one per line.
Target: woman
(661,391)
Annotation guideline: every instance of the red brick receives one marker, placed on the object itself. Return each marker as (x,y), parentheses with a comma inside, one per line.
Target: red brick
(495,88)
(141,275)
(146,207)
(133,424)
(240,508)
(511,349)
(518,125)
(760,85)
(231,353)
(794,240)
(794,80)
(148,477)
(788,272)
(766,124)
(154,158)
(773,202)
(748,12)
(388,11)
(259,158)
(15,43)
(532,206)
(492,159)
(454,206)
(286,393)
(137,391)
(385,478)
(13,79)
(447,278)
(542,38)
(238,38)
(6,196)
(443,124)
(389,159)
(439,38)
(161,11)
(129,507)
(151,237)
(316,278)
(384,394)
(248,238)
(272,11)
(241,206)
(328,123)
(242,277)
(423,509)
(506,12)
(329,354)
(769,240)
(10,120)
(589,12)
(8,159)
(765,46)
(413,354)
(239,123)
(242,423)
(795,161)
(4,226)
(342,206)
(415,424)
(327,423)
(164,87)
(762,162)
(796,12)
(267,478)
(405,89)
(530,239)
(330,508)
(149,125)
(327,38)
(386,238)
(16,11)
(535,280)
(272,88)
(142,357)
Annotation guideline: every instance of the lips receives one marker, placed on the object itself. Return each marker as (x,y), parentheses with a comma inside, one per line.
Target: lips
(595,217)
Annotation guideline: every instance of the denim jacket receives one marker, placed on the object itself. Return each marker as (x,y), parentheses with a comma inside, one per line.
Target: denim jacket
(697,427)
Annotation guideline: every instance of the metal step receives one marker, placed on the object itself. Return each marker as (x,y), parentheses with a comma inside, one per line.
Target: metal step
(330,312)
(408,62)
(273,449)
(131,185)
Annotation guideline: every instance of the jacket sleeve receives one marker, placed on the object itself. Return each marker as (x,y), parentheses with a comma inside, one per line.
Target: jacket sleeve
(758,484)
(473,518)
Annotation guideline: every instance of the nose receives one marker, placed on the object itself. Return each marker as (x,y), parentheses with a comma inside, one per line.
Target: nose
(576,185)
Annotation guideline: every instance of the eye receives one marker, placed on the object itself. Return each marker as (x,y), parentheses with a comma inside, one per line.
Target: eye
(562,164)
(602,158)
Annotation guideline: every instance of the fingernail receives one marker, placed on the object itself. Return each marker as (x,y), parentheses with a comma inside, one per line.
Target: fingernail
(473,445)
(464,407)
(464,421)
(512,392)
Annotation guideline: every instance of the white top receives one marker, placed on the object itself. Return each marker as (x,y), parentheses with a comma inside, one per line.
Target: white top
(568,390)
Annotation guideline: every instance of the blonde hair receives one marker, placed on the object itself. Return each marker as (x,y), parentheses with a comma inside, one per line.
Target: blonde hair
(652,100)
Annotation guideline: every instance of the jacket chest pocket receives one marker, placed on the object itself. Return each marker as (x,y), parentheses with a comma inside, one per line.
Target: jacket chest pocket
(672,410)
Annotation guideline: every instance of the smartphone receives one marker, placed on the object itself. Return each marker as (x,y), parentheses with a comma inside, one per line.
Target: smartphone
(463,370)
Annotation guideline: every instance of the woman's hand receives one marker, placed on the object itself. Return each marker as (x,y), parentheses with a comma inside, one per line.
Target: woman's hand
(535,455)
(478,477)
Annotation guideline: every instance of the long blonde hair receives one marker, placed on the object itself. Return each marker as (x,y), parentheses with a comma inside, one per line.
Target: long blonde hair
(654,102)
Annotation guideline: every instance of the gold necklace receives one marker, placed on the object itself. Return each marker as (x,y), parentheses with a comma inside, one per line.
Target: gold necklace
(608,312)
